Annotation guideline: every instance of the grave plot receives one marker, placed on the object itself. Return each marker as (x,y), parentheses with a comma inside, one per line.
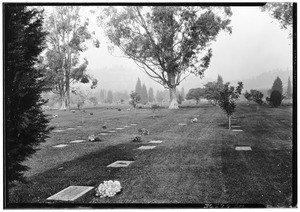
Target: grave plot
(111,131)
(244,148)
(77,141)
(60,146)
(103,133)
(71,128)
(146,147)
(126,126)
(133,124)
(155,142)
(120,128)
(237,130)
(182,124)
(58,130)
(235,126)
(71,194)
(120,163)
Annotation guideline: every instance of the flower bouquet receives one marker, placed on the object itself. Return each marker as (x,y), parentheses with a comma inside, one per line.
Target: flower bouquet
(108,188)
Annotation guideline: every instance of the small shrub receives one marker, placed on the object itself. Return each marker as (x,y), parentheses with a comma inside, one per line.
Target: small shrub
(143,131)
(276,98)
(93,138)
(136,138)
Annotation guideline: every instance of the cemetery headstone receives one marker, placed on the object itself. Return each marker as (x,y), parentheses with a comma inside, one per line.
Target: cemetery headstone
(245,148)
(120,163)
(155,142)
(71,194)
(60,146)
(147,147)
(77,141)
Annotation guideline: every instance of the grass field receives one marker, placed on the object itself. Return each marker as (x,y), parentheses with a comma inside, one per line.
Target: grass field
(196,163)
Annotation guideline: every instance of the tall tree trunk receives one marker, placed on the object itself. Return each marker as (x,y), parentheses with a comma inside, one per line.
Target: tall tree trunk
(229,122)
(62,101)
(68,92)
(173,98)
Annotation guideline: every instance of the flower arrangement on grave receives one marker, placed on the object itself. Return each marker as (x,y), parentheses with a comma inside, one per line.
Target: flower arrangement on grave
(194,120)
(108,188)
(143,131)
(94,138)
(136,138)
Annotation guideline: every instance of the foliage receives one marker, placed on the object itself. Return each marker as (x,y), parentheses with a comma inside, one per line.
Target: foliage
(257,96)
(151,95)
(144,95)
(283,12)
(195,93)
(289,89)
(109,97)
(228,96)
(135,99)
(276,98)
(180,98)
(182,93)
(138,87)
(25,123)
(212,91)
(168,43)
(277,85)
(67,35)
(248,96)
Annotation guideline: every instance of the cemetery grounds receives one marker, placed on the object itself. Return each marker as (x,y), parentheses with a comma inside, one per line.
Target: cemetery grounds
(196,163)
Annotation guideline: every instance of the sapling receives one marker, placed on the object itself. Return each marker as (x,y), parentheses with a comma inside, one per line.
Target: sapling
(228,96)
(257,97)
(135,98)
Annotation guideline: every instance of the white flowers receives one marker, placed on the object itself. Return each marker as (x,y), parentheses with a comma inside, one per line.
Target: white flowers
(108,188)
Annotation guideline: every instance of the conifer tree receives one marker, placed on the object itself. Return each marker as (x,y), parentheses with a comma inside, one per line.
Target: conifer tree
(138,87)
(25,122)
(144,94)
(277,85)
(151,95)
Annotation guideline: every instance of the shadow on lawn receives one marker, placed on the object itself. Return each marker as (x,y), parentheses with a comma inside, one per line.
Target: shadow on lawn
(89,170)
(258,177)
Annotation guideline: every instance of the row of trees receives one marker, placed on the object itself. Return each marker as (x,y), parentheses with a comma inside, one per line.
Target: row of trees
(145,96)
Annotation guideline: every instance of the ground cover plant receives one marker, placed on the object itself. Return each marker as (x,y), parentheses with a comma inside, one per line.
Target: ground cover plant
(196,163)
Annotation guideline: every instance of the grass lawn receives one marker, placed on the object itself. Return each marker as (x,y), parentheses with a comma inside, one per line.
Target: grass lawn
(194,164)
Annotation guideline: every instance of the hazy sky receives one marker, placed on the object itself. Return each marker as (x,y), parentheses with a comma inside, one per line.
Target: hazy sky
(257,44)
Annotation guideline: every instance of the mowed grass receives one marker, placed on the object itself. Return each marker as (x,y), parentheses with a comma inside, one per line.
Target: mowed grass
(195,164)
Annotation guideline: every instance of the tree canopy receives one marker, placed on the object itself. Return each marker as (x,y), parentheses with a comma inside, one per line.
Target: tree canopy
(167,43)
(68,32)
(277,85)
(195,93)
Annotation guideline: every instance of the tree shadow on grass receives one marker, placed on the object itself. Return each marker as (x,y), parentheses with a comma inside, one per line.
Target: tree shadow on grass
(89,170)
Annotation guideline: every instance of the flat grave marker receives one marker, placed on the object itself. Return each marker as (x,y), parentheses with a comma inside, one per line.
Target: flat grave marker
(126,126)
(111,131)
(60,146)
(120,128)
(104,133)
(237,130)
(120,163)
(71,193)
(155,142)
(77,141)
(71,128)
(133,124)
(181,124)
(244,148)
(58,130)
(146,147)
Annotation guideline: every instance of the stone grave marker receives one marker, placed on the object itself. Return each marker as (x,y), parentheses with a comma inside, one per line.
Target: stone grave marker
(237,130)
(120,163)
(77,141)
(181,124)
(155,142)
(126,126)
(71,194)
(120,128)
(133,124)
(71,128)
(60,146)
(104,133)
(111,131)
(58,130)
(245,148)
(146,147)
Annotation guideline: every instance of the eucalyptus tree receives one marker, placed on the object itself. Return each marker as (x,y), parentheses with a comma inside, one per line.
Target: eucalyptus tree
(168,43)
(68,31)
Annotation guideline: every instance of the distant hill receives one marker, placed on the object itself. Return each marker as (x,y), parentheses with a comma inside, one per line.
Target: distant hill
(264,81)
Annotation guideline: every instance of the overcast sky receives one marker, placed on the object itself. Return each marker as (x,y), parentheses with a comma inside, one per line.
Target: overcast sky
(257,44)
